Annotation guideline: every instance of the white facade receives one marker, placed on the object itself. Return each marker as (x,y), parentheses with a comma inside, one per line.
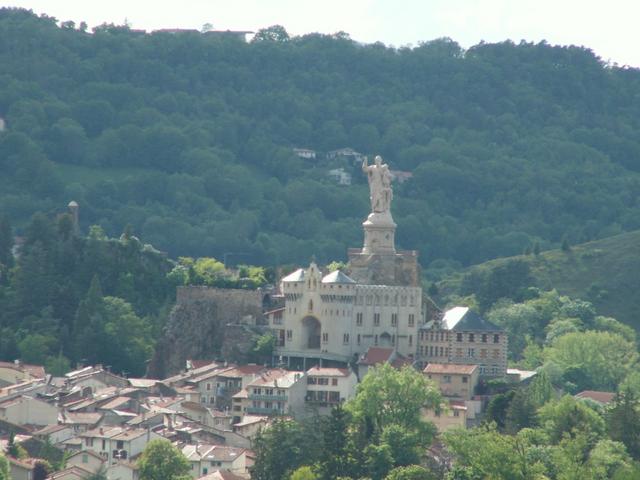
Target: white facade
(334,318)
(116,443)
(26,410)
(327,387)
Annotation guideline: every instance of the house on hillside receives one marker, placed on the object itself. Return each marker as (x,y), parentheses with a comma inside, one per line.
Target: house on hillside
(379,355)
(305,153)
(328,387)
(204,459)
(348,154)
(25,410)
(340,176)
(462,336)
(12,373)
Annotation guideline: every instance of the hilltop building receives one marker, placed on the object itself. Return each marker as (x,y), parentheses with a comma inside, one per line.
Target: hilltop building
(336,317)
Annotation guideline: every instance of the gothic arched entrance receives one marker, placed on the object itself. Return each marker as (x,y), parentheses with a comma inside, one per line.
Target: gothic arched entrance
(311,328)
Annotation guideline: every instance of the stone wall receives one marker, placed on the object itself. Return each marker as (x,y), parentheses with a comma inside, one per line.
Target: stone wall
(197,324)
(399,269)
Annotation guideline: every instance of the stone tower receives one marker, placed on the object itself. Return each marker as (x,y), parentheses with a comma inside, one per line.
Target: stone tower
(74,211)
(378,262)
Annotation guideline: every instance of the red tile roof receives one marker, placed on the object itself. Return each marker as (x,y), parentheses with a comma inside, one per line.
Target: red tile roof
(36,371)
(376,355)
(596,396)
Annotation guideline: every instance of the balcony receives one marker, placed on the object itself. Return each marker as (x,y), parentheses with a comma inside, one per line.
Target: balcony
(268,398)
(264,411)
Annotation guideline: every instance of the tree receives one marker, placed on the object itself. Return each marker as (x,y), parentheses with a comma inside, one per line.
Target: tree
(280,450)
(623,421)
(6,242)
(521,412)
(405,446)
(412,472)
(484,453)
(570,417)
(162,461)
(263,347)
(593,360)
(379,460)
(274,33)
(41,470)
(335,459)
(304,473)
(5,471)
(387,396)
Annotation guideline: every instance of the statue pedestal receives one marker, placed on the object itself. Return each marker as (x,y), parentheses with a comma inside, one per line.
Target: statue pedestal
(379,234)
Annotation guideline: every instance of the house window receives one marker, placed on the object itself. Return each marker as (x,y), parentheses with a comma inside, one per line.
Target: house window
(410,340)
(446,379)
(431,350)
(345,338)
(289,335)
(104,444)
(412,319)
(334,382)
(376,319)
(496,338)
(119,444)
(465,379)
(208,387)
(394,319)
(375,340)
(471,352)
(456,413)
(393,339)
(359,319)
(472,338)
(325,337)
(358,339)
(484,338)
(458,337)
(441,351)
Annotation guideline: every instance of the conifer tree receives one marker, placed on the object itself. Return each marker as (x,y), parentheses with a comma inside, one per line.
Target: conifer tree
(623,422)
(6,242)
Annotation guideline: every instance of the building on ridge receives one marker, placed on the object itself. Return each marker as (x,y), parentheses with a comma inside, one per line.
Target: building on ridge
(463,337)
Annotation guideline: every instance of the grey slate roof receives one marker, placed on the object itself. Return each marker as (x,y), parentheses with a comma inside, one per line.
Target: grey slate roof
(464,319)
(337,277)
(296,276)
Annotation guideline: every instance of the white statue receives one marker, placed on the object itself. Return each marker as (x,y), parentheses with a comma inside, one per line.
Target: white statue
(379,185)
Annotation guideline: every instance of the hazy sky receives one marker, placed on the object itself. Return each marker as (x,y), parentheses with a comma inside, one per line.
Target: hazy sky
(610,28)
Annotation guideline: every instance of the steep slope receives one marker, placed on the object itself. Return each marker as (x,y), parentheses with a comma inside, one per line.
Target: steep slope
(606,272)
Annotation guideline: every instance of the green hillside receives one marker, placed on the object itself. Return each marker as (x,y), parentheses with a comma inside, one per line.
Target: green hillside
(605,272)
(188,137)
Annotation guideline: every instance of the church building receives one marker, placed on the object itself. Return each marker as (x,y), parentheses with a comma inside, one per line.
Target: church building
(333,318)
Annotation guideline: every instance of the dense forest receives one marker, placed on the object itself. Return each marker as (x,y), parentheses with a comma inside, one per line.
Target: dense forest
(188,138)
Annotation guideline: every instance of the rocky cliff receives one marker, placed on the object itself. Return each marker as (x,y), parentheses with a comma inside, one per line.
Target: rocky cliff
(208,323)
